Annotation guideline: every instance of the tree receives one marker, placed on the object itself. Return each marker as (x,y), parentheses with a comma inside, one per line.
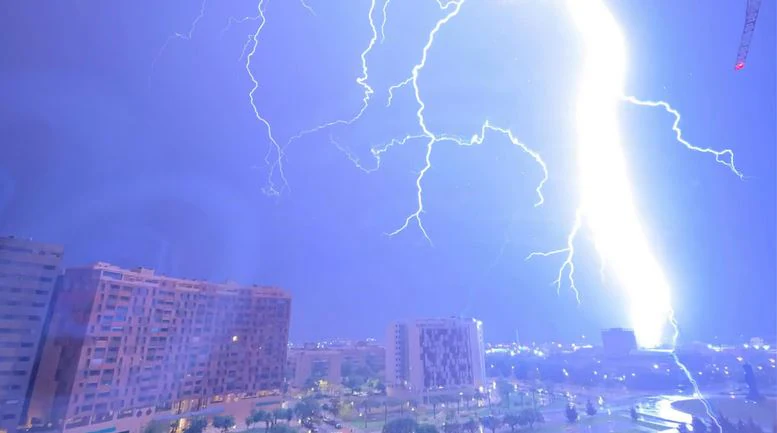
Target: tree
(634,414)
(250,420)
(471,426)
(505,389)
(590,409)
(426,428)
(513,420)
(262,416)
(400,425)
(196,425)
(698,425)
(491,422)
(156,427)
(306,408)
(532,416)
(571,413)
(282,414)
(223,422)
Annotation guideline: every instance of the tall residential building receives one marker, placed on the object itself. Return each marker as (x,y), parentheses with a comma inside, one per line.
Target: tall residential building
(127,346)
(435,356)
(28,271)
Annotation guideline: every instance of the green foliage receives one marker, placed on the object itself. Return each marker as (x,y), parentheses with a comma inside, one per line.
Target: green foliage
(306,408)
(223,422)
(400,425)
(571,413)
(196,425)
(590,409)
(505,389)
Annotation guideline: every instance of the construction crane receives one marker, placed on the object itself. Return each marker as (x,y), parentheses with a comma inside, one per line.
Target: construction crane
(747,33)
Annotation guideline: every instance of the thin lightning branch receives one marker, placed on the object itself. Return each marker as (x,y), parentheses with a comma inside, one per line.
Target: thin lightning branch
(696,391)
(307,6)
(376,151)
(245,47)
(569,260)
(184,36)
(422,122)
(361,81)
(396,87)
(383,23)
(270,189)
(725,156)
(232,20)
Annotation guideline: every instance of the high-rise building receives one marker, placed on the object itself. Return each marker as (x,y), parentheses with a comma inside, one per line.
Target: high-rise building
(618,341)
(435,356)
(127,346)
(28,271)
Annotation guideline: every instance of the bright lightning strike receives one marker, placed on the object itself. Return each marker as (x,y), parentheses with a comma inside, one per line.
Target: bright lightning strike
(607,202)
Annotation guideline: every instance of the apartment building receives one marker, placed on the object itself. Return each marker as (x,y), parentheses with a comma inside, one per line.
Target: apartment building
(315,362)
(127,346)
(428,357)
(28,271)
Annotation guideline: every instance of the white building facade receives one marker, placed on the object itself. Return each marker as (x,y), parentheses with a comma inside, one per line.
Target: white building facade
(428,357)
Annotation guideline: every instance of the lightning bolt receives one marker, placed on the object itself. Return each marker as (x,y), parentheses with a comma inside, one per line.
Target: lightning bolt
(606,206)
(270,189)
(569,260)
(725,156)
(383,23)
(696,391)
(361,81)
(183,36)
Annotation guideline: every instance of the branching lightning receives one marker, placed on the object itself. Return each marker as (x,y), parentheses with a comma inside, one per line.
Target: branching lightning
(361,81)
(725,156)
(569,260)
(270,188)
(607,203)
